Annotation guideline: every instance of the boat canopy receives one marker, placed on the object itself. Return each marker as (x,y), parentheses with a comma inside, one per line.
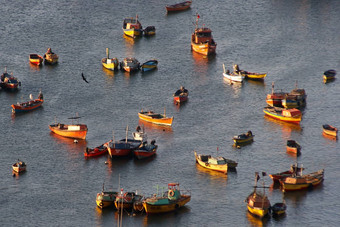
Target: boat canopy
(291,112)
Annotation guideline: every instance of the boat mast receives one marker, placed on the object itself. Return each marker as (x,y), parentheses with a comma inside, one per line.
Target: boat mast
(272,87)
(107,53)
(126,133)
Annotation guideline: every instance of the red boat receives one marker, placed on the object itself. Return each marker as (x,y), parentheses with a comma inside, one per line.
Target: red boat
(181,95)
(97,151)
(28,106)
(122,148)
(294,170)
(8,81)
(178,7)
(146,150)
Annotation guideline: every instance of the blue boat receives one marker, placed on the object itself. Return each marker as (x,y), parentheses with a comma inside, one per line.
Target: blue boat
(149,65)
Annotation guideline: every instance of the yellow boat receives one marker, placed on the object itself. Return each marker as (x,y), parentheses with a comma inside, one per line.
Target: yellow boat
(110,63)
(258,204)
(330,130)
(202,41)
(301,182)
(172,200)
(106,199)
(220,164)
(288,115)
(50,57)
(244,138)
(155,118)
(132,27)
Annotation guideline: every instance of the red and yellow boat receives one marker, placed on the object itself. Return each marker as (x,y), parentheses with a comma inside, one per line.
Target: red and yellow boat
(132,27)
(202,41)
(293,147)
(301,182)
(283,114)
(330,130)
(76,131)
(155,118)
(19,166)
(28,106)
(36,59)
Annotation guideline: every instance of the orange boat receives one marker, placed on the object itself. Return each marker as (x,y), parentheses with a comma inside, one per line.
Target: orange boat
(283,114)
(202,41)
(76,131)
(178,7)
(293,147)
(155,118)
(36,59)
(28,106)
(330,130)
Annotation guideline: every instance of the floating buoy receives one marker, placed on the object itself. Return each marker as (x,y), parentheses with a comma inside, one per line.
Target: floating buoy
(75,141)
(106,162)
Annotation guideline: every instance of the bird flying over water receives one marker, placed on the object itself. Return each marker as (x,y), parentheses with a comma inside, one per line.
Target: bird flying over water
(82,75)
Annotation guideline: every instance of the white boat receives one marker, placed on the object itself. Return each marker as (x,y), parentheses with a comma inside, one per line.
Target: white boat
(231,76)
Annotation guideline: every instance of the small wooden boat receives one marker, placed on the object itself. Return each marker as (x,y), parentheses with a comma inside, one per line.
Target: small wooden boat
(130,64)
(275,98)
(149,31)
(36,59)
(127,200)
(76,131)
(106,198)
(232,76)
(145,150)
(288,115)
(258,203)
(295,99)
(301,182)
(330,130)
(122,148)
(202,41)
(278,209)
(110,63)
(50,58)
(132,27)
(178,7)
(172,200)
(181,95)
(155,118)
(249,75)
(97,151)
(219,164)
(19,166)
(329,75)
(244,138)
(28,106)
(8,81)
(149,65)
(295,169)
(293,147)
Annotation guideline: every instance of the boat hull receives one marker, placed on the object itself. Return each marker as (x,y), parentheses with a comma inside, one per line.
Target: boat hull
(181,98)
(155,209)
(106,199)
(36,59)
(330,130)
(75,134)
(133,32)
(21,108)
(98,151)
(111,64)
(254,76)
(259,212)
(204,48)
(295,120)
(302,182)
(178,7)
(216,167)
(234,78)
(161,120)
(18,169)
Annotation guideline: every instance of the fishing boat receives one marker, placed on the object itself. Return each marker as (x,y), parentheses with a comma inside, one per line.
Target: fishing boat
(94,152)
(288,115)
(330,130)
(36,59)
(110,63)
(202,41)
(8,81)
(232,77)
(155,118)
(127,200)
(106,198)
(149,31)
(149,65)
(258,203)
(278,209)
(275,98)
(130,64)
(171,200)
(178,7)
(132,27)
(145,150)
(19,166)
(244,138)
(50,58)
(329,75)
(28,106)
(219,164)
(249,75)
(293,147)
(295,99)
(295,169)
(76,131)
(181,95)
(302,182)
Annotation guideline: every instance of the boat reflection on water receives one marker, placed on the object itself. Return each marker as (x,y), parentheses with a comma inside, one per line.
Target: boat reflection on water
(152,127)
(202,62)
(170,217)
(17,175)
(255,221)
(287,128)
(258,83)
(76,145)
(296,198)
(335,138)
(214,175)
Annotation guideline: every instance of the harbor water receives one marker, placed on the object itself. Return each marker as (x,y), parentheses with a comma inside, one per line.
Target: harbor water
(293,41)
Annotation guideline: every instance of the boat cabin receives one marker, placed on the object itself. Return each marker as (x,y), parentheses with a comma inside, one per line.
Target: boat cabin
(291,112)
(217,160)
(202,35)
(130,23)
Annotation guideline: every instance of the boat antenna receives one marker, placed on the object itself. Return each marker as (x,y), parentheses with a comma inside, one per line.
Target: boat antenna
(223,68)
(127,129)
(197,17)
(272,87)
(164,112)
(107,53)
(296,84)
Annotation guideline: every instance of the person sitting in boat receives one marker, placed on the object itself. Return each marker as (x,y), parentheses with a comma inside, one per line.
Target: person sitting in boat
(49,51)
(40,96)
(138,128)
(180,91)
(236,69)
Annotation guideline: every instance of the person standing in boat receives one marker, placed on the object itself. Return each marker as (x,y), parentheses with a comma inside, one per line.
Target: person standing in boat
(40,96)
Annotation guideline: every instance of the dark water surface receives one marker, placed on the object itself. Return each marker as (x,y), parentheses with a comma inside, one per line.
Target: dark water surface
(291,40)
